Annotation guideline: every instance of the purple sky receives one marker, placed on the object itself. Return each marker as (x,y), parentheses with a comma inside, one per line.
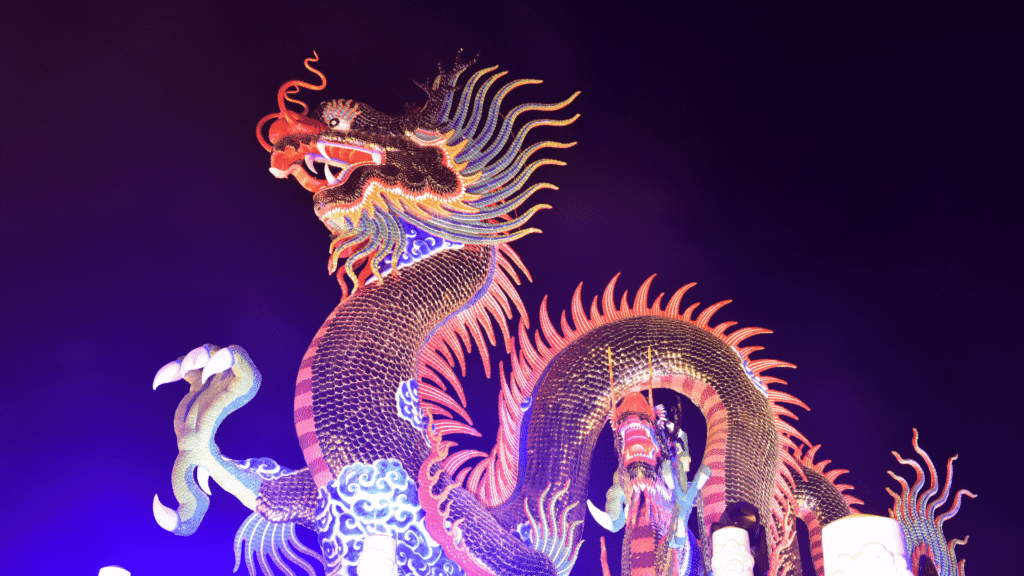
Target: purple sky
(848,176)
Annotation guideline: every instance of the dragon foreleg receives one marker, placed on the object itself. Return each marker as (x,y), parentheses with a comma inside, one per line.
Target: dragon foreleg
(222,380)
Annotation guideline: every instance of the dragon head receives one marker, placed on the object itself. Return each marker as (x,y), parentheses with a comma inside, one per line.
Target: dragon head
(635,424)
(443,170)
(644,498)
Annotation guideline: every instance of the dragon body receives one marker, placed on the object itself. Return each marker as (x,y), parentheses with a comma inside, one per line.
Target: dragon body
(422,208)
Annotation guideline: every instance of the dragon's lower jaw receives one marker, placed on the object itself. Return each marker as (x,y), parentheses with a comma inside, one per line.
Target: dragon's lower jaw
(304,179)
(338,160)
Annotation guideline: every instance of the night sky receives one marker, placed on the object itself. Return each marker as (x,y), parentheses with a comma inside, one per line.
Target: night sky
(847,175)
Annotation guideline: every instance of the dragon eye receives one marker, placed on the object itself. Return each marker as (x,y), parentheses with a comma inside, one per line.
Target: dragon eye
(333,123)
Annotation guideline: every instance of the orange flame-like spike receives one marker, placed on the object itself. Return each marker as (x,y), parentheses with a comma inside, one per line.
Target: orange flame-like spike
(455,461)
(608,298)
(778,397)
(656,305)
(677,298)
(623,306)
(478,337)
(452,341)
(434,410)
(579,317)
(719,330)
(758,366)
(514,258)
(483,321)
(705,316)
(734,338)
(595,314)
(640,301)
(746,352)
(550,334)
(434,361)
(445,353)
(432,394)
(529,353)
(447,427)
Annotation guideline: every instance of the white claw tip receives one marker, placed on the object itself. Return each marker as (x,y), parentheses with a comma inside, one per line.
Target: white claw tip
(601,516)
(219,362)
(114,571)
(195,359)
(165,517)
(203,477)
(171,372)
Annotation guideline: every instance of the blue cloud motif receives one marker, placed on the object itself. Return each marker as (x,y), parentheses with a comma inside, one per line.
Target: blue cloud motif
(265,468)
(377,499)
(407,398)
(418,245)
(525,533)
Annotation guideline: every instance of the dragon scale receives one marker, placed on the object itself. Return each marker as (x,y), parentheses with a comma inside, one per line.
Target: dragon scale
(367,347)
(422,208)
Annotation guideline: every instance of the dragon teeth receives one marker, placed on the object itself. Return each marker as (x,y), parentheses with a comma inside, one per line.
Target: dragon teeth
(322,148)
(330,177)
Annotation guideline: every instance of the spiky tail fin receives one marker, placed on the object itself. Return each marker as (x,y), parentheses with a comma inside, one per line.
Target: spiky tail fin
(916,510)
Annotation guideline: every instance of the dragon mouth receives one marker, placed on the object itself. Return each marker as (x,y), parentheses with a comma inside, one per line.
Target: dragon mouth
(638,443)
(338,160)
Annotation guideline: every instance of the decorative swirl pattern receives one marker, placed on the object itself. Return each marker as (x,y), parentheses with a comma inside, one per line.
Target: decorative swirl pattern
(265,468)
(407,400)
(418,245)
(376,499)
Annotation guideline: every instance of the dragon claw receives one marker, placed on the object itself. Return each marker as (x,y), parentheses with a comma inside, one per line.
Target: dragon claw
(221,380)
(196,359)
(170,372)
(166,517)
(602,517)
(203,478)
(221,360)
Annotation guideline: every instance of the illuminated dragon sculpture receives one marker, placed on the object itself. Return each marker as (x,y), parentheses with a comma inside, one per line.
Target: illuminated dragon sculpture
(422,208)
